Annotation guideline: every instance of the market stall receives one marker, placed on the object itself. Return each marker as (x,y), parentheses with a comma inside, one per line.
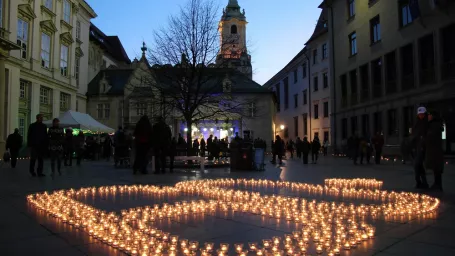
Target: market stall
(81,121)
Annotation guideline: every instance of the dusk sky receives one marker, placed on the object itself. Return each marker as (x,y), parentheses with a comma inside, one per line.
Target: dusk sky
(276,31)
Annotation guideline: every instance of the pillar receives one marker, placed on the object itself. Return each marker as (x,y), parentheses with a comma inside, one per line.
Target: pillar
(34,101)
(55,103)
(2,105)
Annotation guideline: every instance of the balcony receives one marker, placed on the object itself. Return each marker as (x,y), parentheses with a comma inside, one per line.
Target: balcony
(408,82)
(391,87)
(448,70)
(427,76)
(354,100)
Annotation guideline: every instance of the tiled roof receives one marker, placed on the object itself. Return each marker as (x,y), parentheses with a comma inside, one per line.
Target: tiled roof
(117,78)
(112,44)
(321,27)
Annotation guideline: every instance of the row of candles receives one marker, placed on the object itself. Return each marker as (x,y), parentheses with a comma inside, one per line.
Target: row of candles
(325,227)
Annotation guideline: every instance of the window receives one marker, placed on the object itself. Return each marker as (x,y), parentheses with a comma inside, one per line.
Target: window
(377,122)
(99,109)
(304,70)
(21,126)
(405,13)
(45,94)
(375,30)
(45,50)
(233,29)
(296,126)
(78,30)
(353,125)
(66,11)
(48,4)
(344,90)
(23,89)
(22,37)
(141,109)
(251,109)
(315,84)
(315,56)
(76,69)
(305,97)
(353,43)
(365,125)
(326,109)
(353,81)
(325,54)
(296,100)
(316,111)
(107,110)
(325,80)
(392,120)
(1,13)
(344,128)
(295,76)
(376,68)
(286,93)
(305,125)
(365,83)
(64,60)
(351,8)
(77,105)
(64,101)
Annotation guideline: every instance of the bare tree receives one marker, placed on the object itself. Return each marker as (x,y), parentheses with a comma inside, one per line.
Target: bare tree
(189,70)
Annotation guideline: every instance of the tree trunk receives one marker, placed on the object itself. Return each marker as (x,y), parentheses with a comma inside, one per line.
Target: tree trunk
(189,139)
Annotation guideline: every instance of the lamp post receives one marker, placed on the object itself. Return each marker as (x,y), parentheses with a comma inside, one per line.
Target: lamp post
(281,127)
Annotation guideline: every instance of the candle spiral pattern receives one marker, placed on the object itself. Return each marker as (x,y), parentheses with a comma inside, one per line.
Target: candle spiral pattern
(329,228)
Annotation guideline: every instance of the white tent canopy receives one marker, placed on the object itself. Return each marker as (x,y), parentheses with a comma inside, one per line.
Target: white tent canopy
(81,121)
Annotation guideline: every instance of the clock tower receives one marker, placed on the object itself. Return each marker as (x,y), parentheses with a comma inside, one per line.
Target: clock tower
(233,50)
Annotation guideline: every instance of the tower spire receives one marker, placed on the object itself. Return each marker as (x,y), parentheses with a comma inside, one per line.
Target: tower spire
(143,49)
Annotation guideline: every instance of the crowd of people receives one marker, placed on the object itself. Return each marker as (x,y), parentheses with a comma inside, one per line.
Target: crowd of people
(364,147)
(302,148)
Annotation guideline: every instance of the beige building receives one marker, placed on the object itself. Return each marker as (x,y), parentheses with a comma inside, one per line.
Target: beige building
(302,89)
(390,57)
(44,55)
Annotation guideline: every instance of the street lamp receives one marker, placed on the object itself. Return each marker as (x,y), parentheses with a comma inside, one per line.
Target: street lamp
(281,127)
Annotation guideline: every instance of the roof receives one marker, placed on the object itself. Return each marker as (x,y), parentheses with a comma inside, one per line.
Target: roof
(232,11)
(320,28)
(117,78)
(111,44)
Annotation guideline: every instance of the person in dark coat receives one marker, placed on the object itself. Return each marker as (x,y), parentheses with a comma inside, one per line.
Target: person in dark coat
(37,140)
(203,147)
(419,132)
(143,142)
(107,148)
(69,147)
(364,149)
(56,145)
(172,154)
(196,147)
(306,148)
(298,147)
(378,143)
(162,136)
(315,147)
(278,149)
(210,146)
(434,156)
(13,145)
(181,140)
(79,145)
(290,147)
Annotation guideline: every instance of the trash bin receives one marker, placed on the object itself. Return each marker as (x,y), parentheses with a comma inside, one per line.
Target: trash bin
(242,156)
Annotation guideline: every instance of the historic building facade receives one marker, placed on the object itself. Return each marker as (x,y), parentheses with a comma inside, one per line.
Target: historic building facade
(302,89)
(44,55)
(391,59)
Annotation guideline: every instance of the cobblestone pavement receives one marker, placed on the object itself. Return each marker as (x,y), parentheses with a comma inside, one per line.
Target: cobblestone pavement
(25,231)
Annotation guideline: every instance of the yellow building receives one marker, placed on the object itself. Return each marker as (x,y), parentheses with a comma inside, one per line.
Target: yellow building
(44,57)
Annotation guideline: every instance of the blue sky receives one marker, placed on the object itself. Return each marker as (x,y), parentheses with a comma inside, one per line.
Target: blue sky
(277,29)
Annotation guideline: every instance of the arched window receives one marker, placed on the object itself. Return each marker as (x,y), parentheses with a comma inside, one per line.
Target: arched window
(233,29)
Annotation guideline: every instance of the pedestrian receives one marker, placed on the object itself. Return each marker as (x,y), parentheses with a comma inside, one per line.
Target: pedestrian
(290,147)
(419,132)
(364,150)
(378,143)
(298,147)
(13,145)
(69,147)
(306,148)
(56,145)
(203,147)
(355,144)
(107,148)
(120,145)
(37,141)
(79,143)
(278,150)
(143,143)
(210,146)
(196,147)
(315,147)
(181,140)
(161,143)
(434,157)
(325,146)
(172,154)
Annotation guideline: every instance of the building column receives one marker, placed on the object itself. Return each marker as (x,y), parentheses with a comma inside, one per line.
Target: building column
(73,102)
(34,101)
(2,105)
(55,103)
(13,100)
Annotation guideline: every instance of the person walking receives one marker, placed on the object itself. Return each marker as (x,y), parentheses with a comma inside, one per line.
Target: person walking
(306,147)
(203,147)
(69,147)
(210,146)
(79,142)
(143,142)
(315,147)
(290,147)
(378,143)
(13,145)
(196,147)
(162,141)
(419,132)
(298,147)
(107,148)
(278,149)
(56,145)
(364,150)
(37,141)
(434,156)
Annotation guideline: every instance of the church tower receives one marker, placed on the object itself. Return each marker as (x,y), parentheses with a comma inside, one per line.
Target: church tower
(233,50)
